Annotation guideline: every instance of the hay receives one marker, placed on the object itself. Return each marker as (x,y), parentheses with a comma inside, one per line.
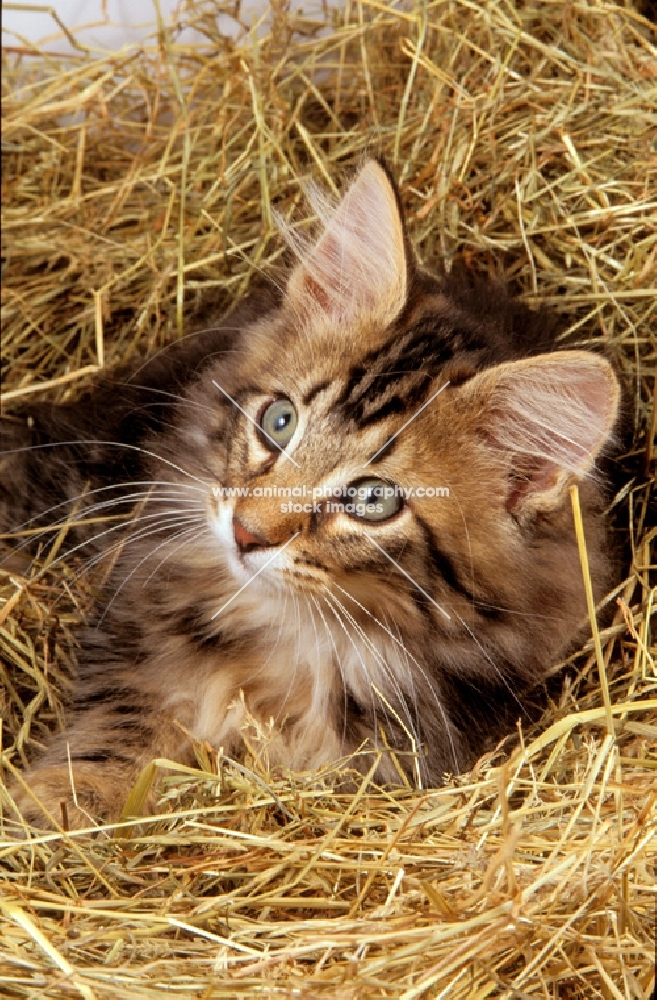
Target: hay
(137,189)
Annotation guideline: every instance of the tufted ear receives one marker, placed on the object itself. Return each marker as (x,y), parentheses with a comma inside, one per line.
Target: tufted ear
(551,415)
(357,268)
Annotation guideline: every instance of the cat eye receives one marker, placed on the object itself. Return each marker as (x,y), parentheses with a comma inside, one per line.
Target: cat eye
(373,500)
(278,422)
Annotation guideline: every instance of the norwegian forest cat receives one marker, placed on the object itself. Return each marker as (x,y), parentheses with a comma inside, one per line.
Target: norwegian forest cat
(367,612)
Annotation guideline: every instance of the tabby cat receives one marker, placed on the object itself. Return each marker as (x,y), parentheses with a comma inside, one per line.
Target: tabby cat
(427,579)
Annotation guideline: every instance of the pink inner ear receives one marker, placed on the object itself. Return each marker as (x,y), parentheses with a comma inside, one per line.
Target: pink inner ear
(551,416)
(595,394)
(314,292)
(324,277)
(357,268)
(530,476)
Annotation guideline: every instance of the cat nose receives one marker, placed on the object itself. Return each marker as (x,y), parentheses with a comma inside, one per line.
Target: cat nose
(244,539)
(277,534)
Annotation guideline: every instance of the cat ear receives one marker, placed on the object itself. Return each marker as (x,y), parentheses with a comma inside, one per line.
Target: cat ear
(357,269)
(551,415)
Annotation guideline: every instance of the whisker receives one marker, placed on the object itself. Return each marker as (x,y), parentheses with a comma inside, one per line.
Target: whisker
(340,668)
(378,656)
(272,651)
(497,670)
(523,614)
(101,489)
(407,665)
(88,513)
(107,551)
(80,545)
(111,444)
(148,555)
(171,395)
(425,676)
(187,336)
(158,522)
(36,534)
(143,531)
(279,635)
(362,663)
(173,551)
(31,535)
(317,642)
(295,659)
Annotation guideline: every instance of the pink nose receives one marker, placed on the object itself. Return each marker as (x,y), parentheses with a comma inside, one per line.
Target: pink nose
(244,539)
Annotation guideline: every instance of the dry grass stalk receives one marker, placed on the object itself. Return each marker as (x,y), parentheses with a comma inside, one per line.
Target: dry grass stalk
(137,188)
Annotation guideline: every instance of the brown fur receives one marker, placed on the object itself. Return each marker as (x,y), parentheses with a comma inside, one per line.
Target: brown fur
(431,625)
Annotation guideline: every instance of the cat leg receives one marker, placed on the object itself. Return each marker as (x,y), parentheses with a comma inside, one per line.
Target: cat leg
(88,771)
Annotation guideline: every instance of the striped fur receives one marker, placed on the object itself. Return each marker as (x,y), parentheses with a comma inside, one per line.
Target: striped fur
(430,626)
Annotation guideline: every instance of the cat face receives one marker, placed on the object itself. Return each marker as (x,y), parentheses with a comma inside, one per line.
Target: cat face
(369,379)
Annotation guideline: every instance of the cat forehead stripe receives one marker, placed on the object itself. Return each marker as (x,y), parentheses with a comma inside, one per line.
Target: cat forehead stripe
(394,377)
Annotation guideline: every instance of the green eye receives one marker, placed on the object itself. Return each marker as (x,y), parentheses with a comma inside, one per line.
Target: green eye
(278,422)
(374,500)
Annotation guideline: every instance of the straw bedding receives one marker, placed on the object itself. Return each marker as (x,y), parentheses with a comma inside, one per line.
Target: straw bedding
(137,190)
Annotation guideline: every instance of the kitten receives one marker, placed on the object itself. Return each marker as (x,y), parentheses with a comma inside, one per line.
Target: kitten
(405,619)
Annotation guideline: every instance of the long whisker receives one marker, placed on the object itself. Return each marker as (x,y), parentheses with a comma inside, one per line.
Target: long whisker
(223,328)
(193,528)
(111,444)
(523,614)
(88,515)
(425,676)
(340,667)
(182,400)
(319,690)
(407,665)
(318,649)
(294,658)
(107,531)
(362,663)
(100,489)
(121,543)
(272,650)
(497,670)
(380,659)
(144,532)
(138,501)
(125,520)
(148,555)
(187,336)
(279,635)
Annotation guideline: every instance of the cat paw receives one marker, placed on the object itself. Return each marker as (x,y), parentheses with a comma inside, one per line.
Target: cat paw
(49,801)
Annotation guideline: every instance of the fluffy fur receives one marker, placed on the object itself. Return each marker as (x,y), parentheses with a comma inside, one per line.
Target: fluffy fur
(428,626)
